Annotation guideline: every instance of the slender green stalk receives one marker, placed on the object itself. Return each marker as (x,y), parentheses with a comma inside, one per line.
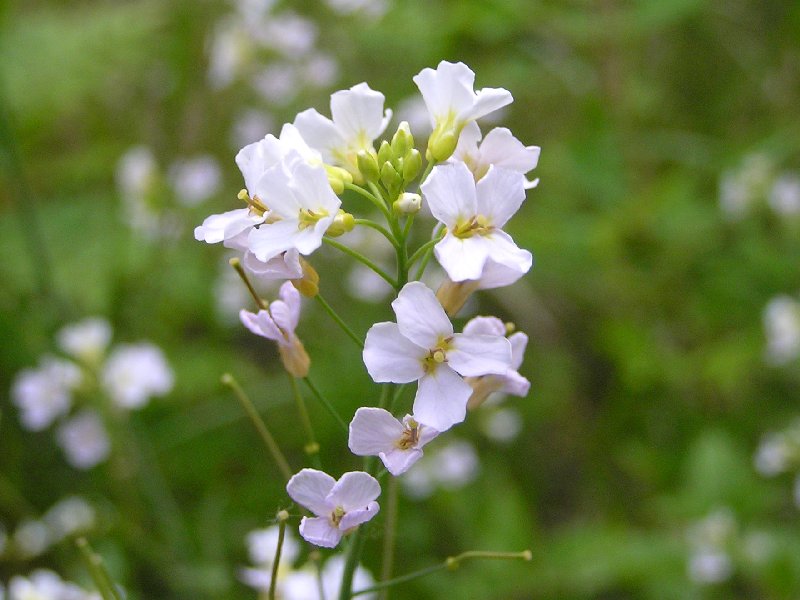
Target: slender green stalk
(362,259)
(311,447)
(94,564)
(407,226)
(422,251)
(353,556)
(379,228)
(237,266)
(451,563)
(328,406)
(376,200)
(277,560)
(389,534)
(258,423)
(339,321)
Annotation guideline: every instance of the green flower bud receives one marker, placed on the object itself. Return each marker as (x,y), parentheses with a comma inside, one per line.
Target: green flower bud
(384,153)
(337,177)
(412,163)
(342,223)
(442,144)
(390,178)
(402,140)
(368,165)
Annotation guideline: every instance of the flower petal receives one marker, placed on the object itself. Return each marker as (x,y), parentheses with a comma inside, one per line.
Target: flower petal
(320,133)
(282,266)
(399,461)
(450,193)
(310,488)
(372,431)
(515,384)
(354,491)
(487,100)
(358,114)
(502,149)
(420,316)
(495,275)
(354,518)
(320,531)
(462,259)
(261,323)
(216,228)
(441,399)
(503,250)
(270,239)
(391,357)
(500,194)
(476,355)
(291,298)
(518,341)
(485,326)
(447,89)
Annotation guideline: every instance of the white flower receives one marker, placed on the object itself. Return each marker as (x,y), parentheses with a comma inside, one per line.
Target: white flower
(84,440)
(44,394)
(774,455)
(784,197)
(782,326)
(136,372)
(31,538)
(375,432)
(502,425)
(304,584)
(708,565)
(474,215)
(68,516)
(46,585)
(86,340)
(450,467)
(452,103)
(358,118)
(262,545)
(339,505)
(195,180)
(422,347)
(288,33)
(499,148)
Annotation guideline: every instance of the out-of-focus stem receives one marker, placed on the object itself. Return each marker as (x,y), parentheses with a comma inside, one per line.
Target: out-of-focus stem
(339,321)
(311,447)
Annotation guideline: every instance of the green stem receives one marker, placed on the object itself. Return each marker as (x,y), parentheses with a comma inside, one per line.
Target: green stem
(421,251)
(353,556)
(451,563)
(94,563)
(258,423)
(328,406)
(376,200)
(277,560)
(311,447)
(362,259)
(389,533)
(339,321)
(379,228)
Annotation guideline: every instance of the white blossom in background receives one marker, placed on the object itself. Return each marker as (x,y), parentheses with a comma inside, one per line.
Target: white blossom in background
(87,340)
(43,584)
(782,328)
(277,83)
(784,197)
(84,439)
(499,148)
(742,188)
(413,111)
(134,373)
(775,455)
(262,545)
(304,583)
(69,516)
(45,393)
(137,173)
(373,9)
(711,541)
(339,506)
(365,284)
(31,538)
(289,34)
(422,347)
(251,125)
(195,180)
(320,70)
(449,467)
(502,425)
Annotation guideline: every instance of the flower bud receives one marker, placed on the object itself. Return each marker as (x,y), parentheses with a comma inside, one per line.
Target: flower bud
(412,163)
(452,295)
(385,153)
(337,177)
(342,223)
(442,144)
(402,140)
(308,284)
(407,204)
(390,178)
(368,165)
(295,359)
(481,388)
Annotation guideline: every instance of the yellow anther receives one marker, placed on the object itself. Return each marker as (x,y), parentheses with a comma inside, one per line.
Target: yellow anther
(439,356)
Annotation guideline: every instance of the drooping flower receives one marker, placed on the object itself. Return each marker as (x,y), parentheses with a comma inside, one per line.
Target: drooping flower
(375,432)
(474,215)
(339,506)
(452,102)
(422,347)
(499,148)
(358,118)
(278,322)
(134,373)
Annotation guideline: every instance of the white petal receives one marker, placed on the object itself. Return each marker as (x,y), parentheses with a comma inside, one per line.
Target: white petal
(495,275)
(503,250)
(270,239)
(358,114)
(310,488)
(391,357)
(441,399)
(291,297)
(486,101)
(485,326)
(515,384)
(312,189)
(261,323)
(282,266)
(518,341)
(354,491)
(476,355)
(320,532)
(216,228)
(450,193)
(356,517)
(502,149)
(462,259)
(467,148)
(500,194)
(399,461)
(373,430)
(447,89)
(320,133)
(254,159)
(420,317)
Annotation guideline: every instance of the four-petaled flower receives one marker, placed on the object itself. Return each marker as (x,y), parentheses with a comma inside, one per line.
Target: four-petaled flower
(339,506)
(375,432)
(422,347)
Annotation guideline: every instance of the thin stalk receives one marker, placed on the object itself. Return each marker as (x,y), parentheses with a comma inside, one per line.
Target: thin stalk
(427,172)
(353,556)
(277,560)
(389,534)
(94,564)
(407,226)
(311,447)
(379,228)
(237,266)
(339,321)
(451,563)
(362,259)
(258,423)
(421,251)
(376,200)
(328,406)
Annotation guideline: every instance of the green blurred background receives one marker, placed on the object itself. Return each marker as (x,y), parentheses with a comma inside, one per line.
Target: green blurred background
(650,389)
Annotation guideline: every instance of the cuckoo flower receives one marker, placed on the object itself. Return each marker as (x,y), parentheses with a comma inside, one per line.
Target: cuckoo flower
(358,118)
(375,432)
(499,148)
(339,506)
(422,347)
(452,103)
(474,215)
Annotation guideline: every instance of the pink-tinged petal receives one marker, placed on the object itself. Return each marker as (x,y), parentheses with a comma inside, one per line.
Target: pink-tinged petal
(356,517)
(503,250)
(283,320)
(291,297)
(391,357)
(282,266)
(320,532)
(399,461)
(485,326)
(420,316)
(216,228)
(500,194)
(441,399)
(310,488)
(372,431)
(476,355)
(270,239)
(450,193)
(518,341)
(496,275)
(462,259)
(354,491)
(486,101)
(515,384)
(320,133)
(261,323)
(358,114)
(502,149)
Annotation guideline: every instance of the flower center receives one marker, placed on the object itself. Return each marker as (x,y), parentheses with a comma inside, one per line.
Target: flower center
(257,206)
(437,355)
(309,218)
(475,225)
(337,514)
(410,436)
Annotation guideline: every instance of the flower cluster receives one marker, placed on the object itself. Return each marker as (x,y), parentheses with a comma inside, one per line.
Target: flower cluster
(757,183)
(299,189)
(66,389)
(45,585)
